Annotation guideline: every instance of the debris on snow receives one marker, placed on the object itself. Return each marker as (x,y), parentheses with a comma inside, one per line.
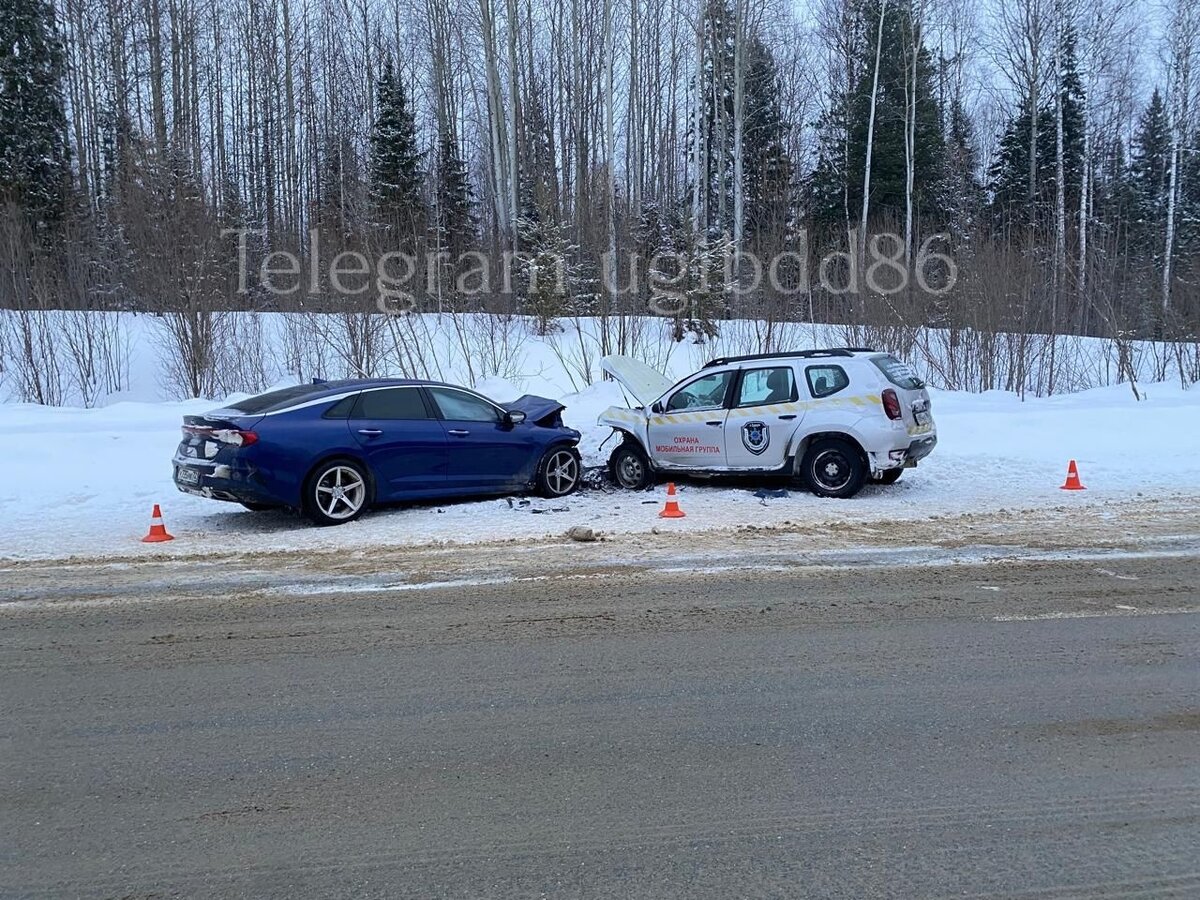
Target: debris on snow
(769,494)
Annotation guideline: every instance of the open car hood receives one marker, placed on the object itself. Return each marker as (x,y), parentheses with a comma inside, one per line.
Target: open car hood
(537,409)
(642,382)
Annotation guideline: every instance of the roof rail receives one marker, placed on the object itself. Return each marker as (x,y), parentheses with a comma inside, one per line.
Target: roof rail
(788,354)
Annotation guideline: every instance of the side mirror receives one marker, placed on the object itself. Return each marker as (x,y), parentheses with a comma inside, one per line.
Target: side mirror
(514,417)
(657,408)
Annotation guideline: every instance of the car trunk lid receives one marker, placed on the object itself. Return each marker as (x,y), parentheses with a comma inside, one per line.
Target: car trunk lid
(204,437)
(220,419)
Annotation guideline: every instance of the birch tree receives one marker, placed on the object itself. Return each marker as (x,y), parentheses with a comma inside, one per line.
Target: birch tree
(1182,36)
(1020,46)
(866,193)
(497,121)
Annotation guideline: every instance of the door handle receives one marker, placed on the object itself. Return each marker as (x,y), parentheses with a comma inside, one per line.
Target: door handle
(370,432)
(717,422)
(786,418)
(458,432)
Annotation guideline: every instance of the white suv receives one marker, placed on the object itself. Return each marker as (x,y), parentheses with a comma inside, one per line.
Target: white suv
(832,418)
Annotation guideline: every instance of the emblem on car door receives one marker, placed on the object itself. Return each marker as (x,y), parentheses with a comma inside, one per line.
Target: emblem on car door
(756,436)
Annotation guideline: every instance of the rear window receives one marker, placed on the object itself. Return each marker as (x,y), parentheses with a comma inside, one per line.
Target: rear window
(898,373)
(341,409)
(276,400)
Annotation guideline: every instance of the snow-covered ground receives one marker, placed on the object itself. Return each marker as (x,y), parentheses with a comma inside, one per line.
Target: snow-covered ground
(82,481)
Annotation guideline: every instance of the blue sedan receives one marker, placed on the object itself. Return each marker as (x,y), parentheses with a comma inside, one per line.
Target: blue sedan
(333,449)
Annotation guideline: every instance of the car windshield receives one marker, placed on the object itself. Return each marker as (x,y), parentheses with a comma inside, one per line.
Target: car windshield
(898,373)
(703,393)
(275,400)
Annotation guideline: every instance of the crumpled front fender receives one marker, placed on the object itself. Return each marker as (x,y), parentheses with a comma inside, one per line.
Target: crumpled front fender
(629,421)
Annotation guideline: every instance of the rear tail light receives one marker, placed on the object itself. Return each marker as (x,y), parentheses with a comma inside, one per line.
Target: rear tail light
(238,438)
(891,404)
(224,435)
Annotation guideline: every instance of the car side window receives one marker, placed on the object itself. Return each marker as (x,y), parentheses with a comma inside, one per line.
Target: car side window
(393,403)
(703,393)
(825,381)
(341,409)
(761,387)
(459,406)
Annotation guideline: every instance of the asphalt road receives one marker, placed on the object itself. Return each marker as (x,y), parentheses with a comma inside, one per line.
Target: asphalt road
(1021,728)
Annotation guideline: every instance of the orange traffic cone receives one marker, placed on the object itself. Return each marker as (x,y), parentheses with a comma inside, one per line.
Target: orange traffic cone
(158,531)
(671,510)
(1073,483)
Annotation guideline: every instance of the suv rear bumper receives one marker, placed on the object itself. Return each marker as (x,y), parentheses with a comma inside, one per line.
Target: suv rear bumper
(920,449)
(903,457)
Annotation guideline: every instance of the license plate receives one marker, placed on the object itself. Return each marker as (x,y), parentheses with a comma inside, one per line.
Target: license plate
(187,476)
(922,416)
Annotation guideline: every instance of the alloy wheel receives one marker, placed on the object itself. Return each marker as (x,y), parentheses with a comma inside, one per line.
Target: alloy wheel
(562,472)
(341,492)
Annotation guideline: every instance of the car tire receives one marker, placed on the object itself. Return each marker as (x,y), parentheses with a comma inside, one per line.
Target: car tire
(630,467)
(888,476)
(559,472)
(258,507)
(336,492)
(833,467)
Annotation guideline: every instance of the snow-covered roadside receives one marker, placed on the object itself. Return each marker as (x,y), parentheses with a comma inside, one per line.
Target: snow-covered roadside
(137,361)
(81,482)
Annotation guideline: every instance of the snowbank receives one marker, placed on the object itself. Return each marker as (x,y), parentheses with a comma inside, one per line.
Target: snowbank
(133,357)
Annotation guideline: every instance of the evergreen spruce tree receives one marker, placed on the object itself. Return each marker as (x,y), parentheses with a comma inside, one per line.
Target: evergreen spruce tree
(766,168)
(548,276)
(119,145)
(1149,169)
(1187,212)
(396,160)
(769,200)
(456,223)
(34,172)
(825,189)
(706,300)
(1150,175)
(962,192)
(233,209)
(888,154)
(838,177)
(718,85)
(340,199)
(1072,99)
(538,185)
(1151,160)
(1114,196)
(543,270)
(1009,175)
